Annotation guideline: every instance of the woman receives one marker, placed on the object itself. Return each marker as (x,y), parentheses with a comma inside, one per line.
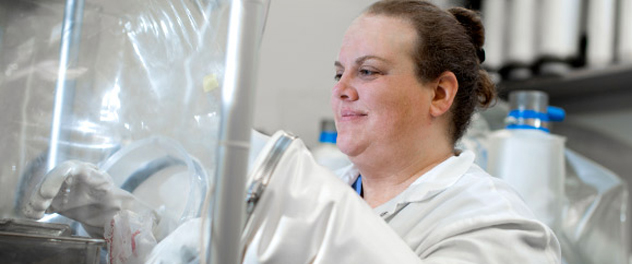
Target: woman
(408,80)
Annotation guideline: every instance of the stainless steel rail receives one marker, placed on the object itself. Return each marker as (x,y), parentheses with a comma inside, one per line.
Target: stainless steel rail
(247,20)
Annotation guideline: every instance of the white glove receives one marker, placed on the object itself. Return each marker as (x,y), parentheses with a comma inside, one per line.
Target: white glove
(130,238)
(82,192)
(181,246)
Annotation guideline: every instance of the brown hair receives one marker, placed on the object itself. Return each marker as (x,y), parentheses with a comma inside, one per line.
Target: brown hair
(449,40)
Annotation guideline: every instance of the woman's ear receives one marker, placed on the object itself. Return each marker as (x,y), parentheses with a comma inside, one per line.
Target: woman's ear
(445,89)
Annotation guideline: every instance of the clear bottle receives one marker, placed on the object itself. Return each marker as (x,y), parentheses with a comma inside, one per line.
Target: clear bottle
(326,153)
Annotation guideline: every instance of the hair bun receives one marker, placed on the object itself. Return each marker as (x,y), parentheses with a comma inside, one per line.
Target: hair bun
(472,23)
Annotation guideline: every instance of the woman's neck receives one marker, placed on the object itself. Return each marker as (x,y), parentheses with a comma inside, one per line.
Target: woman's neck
(390,176)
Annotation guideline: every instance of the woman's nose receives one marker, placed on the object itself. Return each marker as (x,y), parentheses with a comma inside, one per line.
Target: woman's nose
(344,90)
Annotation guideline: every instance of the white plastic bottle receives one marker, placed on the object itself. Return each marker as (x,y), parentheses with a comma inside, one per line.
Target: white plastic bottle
(494,16)
(521,41)
(624,42)
(600,32)
(559,31)
(528,157)
(327,153)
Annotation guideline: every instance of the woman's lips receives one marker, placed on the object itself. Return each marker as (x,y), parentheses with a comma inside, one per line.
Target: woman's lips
(348,115)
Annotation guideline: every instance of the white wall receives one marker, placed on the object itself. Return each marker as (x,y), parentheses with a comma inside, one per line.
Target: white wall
(296,68)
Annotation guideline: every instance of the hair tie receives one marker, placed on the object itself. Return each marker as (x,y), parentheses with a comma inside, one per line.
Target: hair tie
(480,53)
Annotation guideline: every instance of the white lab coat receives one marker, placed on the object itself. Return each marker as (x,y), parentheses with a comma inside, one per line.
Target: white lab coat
(458,213)
(307,215)
(455,213)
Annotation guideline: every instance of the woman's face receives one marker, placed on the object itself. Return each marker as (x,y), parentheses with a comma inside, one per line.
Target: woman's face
(380,106)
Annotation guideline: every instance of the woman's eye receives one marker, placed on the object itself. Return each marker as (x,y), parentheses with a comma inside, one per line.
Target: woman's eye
(365,72)
(337,76)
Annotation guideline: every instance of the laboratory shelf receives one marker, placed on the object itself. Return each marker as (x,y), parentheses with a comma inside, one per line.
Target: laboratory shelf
(581,90)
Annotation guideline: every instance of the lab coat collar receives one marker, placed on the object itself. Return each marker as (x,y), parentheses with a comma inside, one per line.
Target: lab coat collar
(425,187)
(437,179)
(348,174)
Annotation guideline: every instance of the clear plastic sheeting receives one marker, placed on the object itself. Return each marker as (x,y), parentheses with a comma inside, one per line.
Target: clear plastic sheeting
(140,83)
(594,226)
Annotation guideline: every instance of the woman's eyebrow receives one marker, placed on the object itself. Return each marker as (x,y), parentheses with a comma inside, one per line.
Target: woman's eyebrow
(361,60)
(369,57)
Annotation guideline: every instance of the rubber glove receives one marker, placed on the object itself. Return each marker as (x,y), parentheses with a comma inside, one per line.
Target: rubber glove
(82,192)
(181,246)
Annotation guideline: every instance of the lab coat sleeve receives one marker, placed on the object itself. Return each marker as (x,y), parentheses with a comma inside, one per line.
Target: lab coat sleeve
(307,215)
(502,242)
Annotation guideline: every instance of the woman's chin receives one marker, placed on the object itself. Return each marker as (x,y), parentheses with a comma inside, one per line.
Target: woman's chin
(348,147)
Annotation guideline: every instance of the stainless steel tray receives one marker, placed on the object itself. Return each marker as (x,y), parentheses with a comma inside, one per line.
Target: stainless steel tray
(43,243)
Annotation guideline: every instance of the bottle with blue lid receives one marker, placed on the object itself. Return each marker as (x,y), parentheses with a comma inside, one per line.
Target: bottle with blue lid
(328,133)
(528,156)
(531,110)
(326,152)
